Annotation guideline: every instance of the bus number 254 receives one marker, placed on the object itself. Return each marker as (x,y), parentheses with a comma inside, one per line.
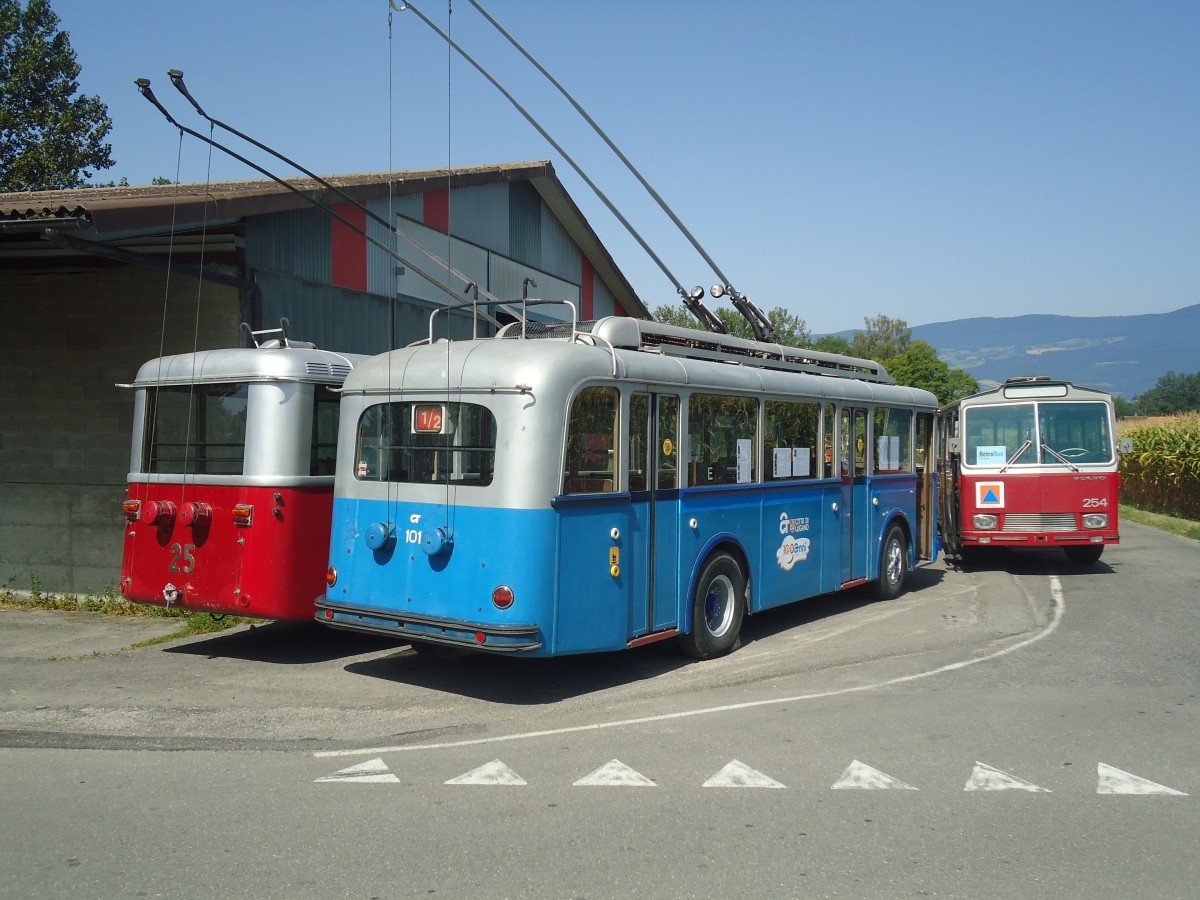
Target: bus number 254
(1094,502)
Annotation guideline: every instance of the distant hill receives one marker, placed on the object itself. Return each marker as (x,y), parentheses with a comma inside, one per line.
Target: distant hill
(1119,354)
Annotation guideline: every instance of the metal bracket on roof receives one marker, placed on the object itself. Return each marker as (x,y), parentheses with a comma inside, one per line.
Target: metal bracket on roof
(281,341)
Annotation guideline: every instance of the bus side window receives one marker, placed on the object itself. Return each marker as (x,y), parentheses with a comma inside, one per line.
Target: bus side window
(590,460)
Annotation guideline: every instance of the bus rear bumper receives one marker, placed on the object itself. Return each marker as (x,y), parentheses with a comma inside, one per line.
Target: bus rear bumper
(506,638)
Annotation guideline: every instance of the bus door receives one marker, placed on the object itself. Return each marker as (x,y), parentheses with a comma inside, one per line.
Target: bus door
(854,509)
(926,489)
(654,475)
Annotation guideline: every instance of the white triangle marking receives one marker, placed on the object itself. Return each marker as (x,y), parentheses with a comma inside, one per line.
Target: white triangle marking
(860,776)
(493,773)
(373,771)
(615,774)
(738,774)
(986,778)
(1114,781)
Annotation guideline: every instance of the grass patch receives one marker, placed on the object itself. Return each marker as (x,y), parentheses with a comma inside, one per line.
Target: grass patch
(1182,527)
(109,602)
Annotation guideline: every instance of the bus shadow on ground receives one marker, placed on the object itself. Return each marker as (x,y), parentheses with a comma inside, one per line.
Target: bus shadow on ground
(1017,561)
(287,643)
(520,681)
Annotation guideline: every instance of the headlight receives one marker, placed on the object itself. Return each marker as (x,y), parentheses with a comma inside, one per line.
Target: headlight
(1095,520)
(985,522)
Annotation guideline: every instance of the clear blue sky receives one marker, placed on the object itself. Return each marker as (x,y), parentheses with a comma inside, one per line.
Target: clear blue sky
(924,159)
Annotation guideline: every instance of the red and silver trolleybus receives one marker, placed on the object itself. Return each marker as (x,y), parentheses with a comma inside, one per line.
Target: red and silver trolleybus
(1033,464)
(230,484)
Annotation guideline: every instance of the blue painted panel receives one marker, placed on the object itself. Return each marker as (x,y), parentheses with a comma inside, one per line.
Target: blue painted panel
(491,547)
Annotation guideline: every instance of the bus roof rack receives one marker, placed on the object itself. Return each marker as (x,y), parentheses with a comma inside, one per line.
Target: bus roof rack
(626,333)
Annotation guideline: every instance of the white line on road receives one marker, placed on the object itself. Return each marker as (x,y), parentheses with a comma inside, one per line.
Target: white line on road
(1056,596)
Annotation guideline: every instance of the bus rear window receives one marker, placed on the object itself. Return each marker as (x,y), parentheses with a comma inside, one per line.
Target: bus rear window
(397,444)
(195,429)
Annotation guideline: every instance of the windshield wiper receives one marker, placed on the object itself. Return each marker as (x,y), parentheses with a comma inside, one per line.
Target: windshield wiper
(1062,459)
(1012,459)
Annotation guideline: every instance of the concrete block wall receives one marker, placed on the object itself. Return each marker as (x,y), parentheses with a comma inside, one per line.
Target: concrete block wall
(68,336)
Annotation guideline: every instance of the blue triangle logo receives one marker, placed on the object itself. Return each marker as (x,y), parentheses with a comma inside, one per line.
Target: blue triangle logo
(990,496)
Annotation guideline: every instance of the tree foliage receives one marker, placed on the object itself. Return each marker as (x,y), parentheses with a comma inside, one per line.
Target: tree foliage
(1174,393)
(49,138)
(882,339)
(920,366)
(790,329)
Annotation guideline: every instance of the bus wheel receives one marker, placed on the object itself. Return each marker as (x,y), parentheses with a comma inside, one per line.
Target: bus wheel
(1084,555)
(717,609)
(893,565)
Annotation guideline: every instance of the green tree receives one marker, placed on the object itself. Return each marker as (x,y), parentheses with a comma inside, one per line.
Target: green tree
(1174,393)
(919,366)
(834,343)
(789,330)
(49,138)
(882,339)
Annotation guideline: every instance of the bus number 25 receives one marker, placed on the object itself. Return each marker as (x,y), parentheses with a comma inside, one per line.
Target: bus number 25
(1094,502)
(183,558)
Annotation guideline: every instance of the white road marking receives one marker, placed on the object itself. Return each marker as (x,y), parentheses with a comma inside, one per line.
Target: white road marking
(861,777)
(494,773)
(615,773)
(738,774)
(986,778)
(1111,780)
(1059,610)
(373,771)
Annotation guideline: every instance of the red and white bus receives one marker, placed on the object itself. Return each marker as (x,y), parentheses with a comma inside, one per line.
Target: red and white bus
(230,485)
(1030,464)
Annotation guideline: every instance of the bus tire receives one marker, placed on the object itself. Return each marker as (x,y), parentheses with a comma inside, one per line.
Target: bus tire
(893,565)
(718,606)
(1085,554)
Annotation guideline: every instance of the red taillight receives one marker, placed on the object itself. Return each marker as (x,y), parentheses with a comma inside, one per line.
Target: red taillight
(330,576)
(480,637)
(155,512)
(503,597)
(131,508)
(329,614)
(195,513)
(243,515)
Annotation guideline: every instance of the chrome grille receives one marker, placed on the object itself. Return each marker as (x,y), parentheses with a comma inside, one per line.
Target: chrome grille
(1025,522)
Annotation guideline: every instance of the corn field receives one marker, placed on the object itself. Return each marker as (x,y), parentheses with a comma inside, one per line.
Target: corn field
(1162,474)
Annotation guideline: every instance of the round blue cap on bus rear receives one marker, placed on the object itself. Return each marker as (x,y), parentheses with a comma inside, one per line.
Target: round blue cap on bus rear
(436,540)
(379,535)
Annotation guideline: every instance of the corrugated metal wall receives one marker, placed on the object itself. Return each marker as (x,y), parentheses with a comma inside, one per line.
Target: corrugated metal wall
(334,285)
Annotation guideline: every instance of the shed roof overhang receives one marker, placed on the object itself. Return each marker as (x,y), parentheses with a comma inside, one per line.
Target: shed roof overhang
(115,213)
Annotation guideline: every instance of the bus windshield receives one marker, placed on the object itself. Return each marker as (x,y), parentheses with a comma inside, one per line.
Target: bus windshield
(197,429)
(1037,433)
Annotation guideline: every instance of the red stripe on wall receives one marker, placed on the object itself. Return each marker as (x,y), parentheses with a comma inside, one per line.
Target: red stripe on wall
(349,247)
(586,291)
(436,210)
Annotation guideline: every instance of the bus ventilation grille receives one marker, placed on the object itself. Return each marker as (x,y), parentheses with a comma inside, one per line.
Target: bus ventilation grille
(1040,522)
(328,370)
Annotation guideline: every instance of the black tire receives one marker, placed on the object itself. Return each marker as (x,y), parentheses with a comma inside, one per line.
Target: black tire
(718,606)
(1085,554)
(893,565)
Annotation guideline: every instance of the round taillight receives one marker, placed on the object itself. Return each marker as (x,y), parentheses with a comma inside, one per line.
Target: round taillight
(157,511)
(329,614)
(331,576)
(195,514)
(503,597)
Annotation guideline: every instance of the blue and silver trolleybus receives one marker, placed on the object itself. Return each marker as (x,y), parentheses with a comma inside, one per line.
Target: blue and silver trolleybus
(601,485)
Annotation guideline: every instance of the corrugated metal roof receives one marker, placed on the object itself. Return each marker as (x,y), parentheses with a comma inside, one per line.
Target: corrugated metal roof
(120,209)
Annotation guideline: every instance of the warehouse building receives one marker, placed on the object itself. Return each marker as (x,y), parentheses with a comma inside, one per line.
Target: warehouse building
(94,282)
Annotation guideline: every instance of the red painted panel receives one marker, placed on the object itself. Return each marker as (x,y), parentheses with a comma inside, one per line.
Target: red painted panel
(586,290)
(273,568)
(437,210)
(350,247)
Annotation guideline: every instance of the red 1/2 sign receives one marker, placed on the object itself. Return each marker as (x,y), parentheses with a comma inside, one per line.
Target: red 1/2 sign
(429,419)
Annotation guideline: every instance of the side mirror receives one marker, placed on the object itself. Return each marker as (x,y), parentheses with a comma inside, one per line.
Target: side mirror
(1125,446)
(954,445)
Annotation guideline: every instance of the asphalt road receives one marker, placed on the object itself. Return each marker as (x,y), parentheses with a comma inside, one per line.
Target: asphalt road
(1018,729)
